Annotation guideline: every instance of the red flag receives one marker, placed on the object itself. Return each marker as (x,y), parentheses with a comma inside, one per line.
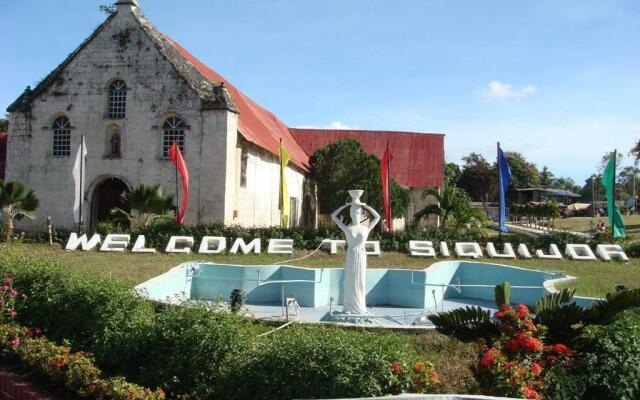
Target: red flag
(386,180)
(176,159)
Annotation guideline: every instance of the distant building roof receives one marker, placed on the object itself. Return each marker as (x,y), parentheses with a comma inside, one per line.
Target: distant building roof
(3,153)
(418,158)
(556,192)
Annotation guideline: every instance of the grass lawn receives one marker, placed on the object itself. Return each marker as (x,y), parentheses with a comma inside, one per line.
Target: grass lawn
(594,278)
(581,224)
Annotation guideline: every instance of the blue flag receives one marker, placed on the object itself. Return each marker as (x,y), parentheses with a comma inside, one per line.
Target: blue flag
(504,179)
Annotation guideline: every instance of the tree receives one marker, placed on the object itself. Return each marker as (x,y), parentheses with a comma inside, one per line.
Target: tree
(454,208)
(451,173)
(624,183)
(147,205)
(4,125)
(343,165)
(16,202)
(478,178)
(588,190)
(605,159)
(523,173)
(565,183)
(635,151)
(546,177)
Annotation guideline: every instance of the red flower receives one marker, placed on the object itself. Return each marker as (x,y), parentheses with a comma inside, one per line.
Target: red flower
(15,343)
(536,368)
(558,348)
(530,325)
(395,367)
(522,310)
(488,359)
(512,345)
(530,393)
(418,366)
(435,378)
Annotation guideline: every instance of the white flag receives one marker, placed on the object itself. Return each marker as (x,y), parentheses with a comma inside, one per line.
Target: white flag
(78,180)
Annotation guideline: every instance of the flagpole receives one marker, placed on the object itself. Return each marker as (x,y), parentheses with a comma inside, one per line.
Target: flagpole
(613,212)
(281,192)
(81,151)
(499,198)
(390,226)
(177,194)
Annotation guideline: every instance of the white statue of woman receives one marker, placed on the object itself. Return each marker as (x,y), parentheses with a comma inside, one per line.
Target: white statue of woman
(355,268)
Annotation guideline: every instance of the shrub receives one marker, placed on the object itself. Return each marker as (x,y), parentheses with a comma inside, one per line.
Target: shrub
(76,371)
(326,362)
(71,305)
(236,300)
(632,249)
(517,363)
(196,351)
(608,365)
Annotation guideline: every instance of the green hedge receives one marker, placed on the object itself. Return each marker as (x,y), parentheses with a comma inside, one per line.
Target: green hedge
(157,236)
(607,365)
(194,352)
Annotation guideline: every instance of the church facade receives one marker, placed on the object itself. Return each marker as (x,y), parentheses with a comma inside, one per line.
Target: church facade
(131,91)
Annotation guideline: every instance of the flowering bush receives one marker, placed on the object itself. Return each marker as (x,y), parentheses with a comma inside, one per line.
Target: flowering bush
(421,377)
(74,370)
(516,364)
(8,297)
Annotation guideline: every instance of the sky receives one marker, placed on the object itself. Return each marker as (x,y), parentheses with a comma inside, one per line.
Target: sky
(557,81)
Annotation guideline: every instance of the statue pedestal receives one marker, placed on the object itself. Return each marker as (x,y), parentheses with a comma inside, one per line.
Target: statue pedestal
(348,318)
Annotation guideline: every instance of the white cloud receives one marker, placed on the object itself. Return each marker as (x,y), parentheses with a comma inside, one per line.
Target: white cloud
(500,91)
(331,125)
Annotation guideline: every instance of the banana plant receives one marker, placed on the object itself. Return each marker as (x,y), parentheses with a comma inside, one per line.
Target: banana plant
(16,203)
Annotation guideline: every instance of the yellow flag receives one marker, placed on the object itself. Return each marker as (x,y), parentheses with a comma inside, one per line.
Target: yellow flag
(285,205)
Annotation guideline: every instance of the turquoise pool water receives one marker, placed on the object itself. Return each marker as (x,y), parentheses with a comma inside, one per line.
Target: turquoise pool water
(321,287)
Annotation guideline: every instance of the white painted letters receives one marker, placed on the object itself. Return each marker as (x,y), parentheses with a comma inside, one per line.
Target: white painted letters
(185,243)
(507,251)
(421,248)
(580,252)
(246,248)
(212,245)
(115,242)
(468,249)
(138,246)
(280,246)
(609,251)
(86,245)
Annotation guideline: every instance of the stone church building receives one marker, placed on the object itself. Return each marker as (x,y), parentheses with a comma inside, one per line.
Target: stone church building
(132,92)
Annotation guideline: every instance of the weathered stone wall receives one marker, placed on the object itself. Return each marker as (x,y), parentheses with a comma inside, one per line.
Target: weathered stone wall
(121,50)
(257,203)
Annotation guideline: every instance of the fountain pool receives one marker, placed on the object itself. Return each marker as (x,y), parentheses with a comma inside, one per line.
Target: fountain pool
(395,297)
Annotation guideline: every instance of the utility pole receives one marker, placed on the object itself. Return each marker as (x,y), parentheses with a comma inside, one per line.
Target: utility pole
(593,194)
(635,198)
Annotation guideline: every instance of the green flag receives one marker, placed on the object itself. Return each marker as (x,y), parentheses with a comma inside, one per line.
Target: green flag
(609,181)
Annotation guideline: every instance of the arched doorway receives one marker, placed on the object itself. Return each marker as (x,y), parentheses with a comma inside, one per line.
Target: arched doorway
(107,195)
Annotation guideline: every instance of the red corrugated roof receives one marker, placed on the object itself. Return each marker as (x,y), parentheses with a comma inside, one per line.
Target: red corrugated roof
(3,153)
(256,124)
(418,158)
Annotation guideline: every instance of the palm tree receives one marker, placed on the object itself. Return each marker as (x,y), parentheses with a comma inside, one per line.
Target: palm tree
(16,202)
(454,208)
(147,205)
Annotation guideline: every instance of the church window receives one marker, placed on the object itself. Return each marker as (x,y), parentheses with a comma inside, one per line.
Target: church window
(173,131)
(244,158)
(117,99)
(61,137)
